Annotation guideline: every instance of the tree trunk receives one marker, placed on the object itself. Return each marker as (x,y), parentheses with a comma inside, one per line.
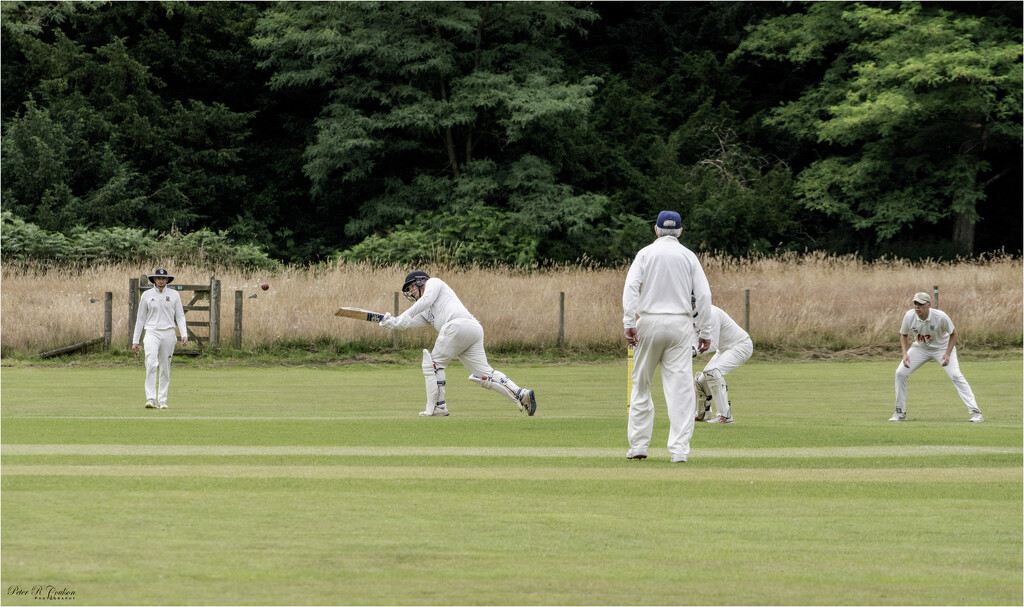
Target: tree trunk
(449,140)
(963,234)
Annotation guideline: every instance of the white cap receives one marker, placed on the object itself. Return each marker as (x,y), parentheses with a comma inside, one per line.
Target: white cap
(922,298)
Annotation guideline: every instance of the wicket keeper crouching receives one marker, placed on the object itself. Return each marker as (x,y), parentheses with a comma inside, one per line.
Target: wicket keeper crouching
(732,347)
(459,335)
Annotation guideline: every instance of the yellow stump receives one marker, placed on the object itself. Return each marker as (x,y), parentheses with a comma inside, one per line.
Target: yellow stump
(629,376)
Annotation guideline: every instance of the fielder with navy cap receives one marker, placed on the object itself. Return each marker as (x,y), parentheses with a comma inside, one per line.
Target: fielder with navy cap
(659,321)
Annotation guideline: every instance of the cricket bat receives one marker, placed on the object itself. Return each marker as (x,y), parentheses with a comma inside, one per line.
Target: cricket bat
(359,314)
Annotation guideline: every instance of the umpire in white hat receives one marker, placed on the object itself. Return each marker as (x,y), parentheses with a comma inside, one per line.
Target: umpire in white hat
(659,321)
(160,311)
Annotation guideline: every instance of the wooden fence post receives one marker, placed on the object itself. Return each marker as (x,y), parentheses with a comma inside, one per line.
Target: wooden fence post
(747,317)
(133,307)
(935,296)
(561,318)
(238,320)
(108,321)
(214,313)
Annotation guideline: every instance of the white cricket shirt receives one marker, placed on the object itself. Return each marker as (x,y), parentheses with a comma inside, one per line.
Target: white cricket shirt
(438,305)
(660,281)
(724,333)
(159,310)
(932,332)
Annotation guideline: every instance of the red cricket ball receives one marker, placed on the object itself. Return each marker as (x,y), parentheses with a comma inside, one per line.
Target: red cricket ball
(264,286)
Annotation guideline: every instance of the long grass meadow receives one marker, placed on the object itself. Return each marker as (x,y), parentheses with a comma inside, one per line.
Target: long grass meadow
(812,302)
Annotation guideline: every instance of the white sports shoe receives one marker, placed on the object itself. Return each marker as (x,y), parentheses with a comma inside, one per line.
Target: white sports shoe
(150,406)
(439,411)
(976,417)
(718,419)
(899,416)
(161,406)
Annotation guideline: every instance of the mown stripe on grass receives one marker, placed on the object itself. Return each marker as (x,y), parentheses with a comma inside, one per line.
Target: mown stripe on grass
(410,451)
(639,471)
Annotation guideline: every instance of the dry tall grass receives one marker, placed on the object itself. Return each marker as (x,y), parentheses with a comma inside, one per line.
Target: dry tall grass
(800,302)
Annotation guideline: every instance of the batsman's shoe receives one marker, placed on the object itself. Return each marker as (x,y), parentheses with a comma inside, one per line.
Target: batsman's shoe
(636,454)
(718,419)
(527,401)
(678,459)
(976,417)
(898,416)
(440,410)
(150,406)
(161,406)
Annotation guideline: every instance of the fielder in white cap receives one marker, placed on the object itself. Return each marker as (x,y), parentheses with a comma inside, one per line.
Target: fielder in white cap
(658,319)
(459,335)
(928,334)
(160,311)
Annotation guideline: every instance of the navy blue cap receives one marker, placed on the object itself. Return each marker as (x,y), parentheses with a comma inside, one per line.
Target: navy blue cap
(669,220)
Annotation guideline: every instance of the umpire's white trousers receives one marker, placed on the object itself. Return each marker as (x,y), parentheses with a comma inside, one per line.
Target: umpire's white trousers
(918,356)
(663,339)
(159,347)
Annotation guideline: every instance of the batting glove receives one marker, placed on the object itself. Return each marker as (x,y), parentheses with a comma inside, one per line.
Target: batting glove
(388,322)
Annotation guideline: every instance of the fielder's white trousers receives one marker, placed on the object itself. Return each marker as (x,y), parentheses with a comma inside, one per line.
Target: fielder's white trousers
(159,347)
(918,356)
(663,339)
(730,359)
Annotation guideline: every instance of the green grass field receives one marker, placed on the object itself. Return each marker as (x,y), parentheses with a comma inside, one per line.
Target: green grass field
(321,485)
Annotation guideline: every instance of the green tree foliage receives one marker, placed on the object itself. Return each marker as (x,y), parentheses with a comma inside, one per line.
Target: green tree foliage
(671,134)
(517,132)
(917,111)
(432,115)
(27,243)
(98,137)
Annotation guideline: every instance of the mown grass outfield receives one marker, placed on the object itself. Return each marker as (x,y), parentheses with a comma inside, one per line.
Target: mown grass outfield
(321,486)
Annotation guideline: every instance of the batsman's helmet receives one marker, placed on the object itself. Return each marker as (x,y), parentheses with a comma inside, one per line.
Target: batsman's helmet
(416,277)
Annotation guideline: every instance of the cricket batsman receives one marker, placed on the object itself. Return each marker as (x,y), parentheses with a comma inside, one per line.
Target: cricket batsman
(459,335)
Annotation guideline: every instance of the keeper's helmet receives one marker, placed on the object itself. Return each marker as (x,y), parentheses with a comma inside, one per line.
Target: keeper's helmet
(416,277)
